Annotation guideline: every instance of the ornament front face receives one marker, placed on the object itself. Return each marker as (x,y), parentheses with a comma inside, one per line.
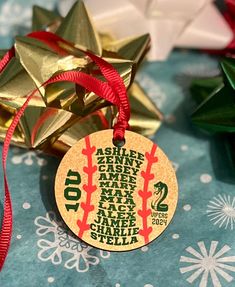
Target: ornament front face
(114,198)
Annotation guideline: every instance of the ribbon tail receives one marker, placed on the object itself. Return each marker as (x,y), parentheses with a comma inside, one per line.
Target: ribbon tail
(7,222)
(6,232)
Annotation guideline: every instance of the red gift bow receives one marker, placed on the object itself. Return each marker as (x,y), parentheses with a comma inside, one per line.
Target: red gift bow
(229,16)
(113,91)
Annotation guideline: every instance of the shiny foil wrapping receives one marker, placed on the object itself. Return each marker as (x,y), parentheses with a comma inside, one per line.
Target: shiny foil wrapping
(62,113)
(216,111)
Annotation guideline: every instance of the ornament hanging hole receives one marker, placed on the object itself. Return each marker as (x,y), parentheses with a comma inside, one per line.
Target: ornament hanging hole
(119,142)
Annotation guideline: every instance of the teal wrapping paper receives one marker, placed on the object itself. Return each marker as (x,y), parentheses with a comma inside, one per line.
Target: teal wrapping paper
(197,249)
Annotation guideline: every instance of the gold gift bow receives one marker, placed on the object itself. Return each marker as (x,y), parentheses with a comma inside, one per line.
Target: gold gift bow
(76,113)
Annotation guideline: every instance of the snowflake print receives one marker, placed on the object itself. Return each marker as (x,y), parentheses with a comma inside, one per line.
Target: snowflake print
(63,242)
(28,157)
(221,211)
(208,265)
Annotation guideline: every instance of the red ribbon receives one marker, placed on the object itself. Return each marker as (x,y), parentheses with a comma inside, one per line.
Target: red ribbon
(113,91)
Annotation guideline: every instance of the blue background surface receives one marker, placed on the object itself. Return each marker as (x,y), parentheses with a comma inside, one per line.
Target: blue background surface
(43,253)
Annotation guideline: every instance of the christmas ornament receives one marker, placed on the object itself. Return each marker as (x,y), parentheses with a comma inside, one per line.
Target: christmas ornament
(61,114)
(181,23)
(104,184)
(116,198)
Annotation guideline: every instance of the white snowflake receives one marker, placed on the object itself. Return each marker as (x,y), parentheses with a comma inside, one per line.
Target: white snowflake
(221,211)
(207,265)
(153,90)
(27,158)
(78,254)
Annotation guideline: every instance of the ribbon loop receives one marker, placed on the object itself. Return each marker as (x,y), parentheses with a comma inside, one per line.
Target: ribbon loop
(119,130)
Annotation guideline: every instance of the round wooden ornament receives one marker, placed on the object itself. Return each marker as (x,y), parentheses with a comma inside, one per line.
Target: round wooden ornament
(116,198)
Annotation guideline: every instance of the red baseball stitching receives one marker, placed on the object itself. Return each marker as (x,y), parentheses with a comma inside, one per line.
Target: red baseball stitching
(145,194)
(89,188)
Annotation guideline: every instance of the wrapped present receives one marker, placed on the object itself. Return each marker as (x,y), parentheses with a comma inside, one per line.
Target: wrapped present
(62,113)
(181,23)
